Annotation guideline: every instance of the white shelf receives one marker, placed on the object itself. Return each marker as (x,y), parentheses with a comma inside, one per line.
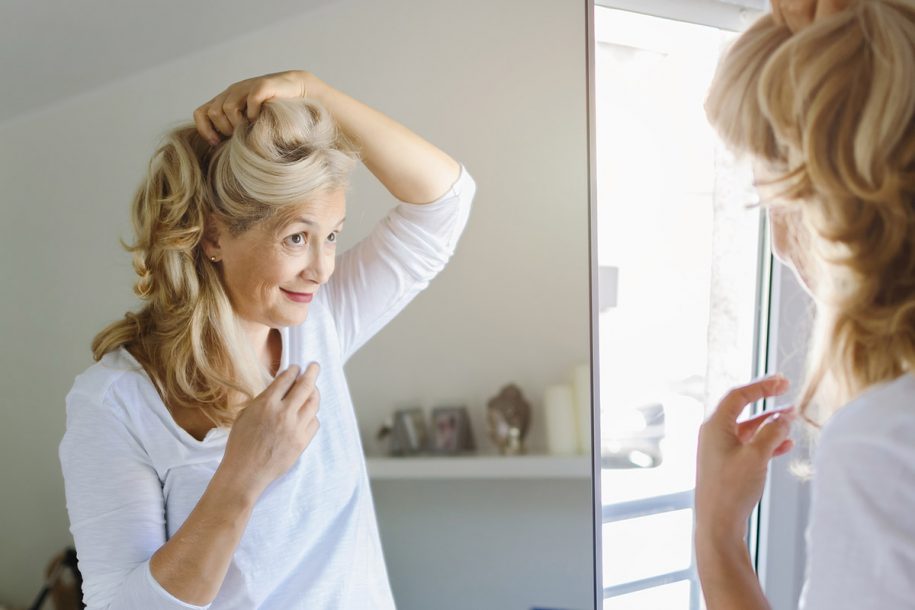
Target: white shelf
(480,467)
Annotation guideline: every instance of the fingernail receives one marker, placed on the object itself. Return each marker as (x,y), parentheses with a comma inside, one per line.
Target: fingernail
(787,418)
(774,420)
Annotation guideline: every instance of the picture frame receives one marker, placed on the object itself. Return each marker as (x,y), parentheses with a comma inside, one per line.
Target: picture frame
(409,435)
(451,432)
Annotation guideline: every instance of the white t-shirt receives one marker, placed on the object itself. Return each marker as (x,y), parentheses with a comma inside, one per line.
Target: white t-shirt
(132,475)
(861,535)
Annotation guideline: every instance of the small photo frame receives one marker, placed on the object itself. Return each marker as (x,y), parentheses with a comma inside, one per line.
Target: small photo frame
(408,436)
(451,431)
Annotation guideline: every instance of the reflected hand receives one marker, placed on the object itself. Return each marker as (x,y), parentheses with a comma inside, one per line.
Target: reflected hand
(733,458)
(241,101)
(798,14)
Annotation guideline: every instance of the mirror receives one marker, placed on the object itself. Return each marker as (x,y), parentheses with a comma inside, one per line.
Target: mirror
(688,268)
(500,86)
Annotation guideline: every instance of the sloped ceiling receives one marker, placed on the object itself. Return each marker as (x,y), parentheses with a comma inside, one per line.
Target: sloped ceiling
(54,49)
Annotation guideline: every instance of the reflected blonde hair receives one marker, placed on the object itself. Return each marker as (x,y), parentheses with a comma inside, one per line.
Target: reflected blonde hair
(831,109)
(187,335)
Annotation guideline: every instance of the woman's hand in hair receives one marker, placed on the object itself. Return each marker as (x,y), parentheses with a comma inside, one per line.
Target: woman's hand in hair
(272,431)
(733,458)
(241,102)
(798,14)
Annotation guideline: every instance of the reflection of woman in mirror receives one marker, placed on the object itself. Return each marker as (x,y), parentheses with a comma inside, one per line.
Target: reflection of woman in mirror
(196,472)
(828,113)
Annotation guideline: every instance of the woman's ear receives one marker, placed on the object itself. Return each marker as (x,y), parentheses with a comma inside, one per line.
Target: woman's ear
(210,243)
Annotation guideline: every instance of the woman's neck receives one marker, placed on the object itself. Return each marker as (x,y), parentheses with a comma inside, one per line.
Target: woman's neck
(267,344)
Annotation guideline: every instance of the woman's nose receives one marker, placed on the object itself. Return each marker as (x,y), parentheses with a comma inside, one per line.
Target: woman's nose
(319,268)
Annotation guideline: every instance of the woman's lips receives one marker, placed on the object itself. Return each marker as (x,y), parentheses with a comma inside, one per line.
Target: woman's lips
(298,297)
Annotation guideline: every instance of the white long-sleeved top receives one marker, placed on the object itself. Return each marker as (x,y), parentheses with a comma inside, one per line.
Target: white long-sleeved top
(132,475)
(861,534)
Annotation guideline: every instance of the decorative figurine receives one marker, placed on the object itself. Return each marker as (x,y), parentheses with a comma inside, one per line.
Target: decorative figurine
(509,417)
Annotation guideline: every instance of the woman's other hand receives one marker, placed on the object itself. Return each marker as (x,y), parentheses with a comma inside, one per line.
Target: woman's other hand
(733,457)
(273,430)
(797,14)
(241,101)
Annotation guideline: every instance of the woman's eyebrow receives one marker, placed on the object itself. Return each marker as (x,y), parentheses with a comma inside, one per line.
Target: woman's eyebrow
(312,223)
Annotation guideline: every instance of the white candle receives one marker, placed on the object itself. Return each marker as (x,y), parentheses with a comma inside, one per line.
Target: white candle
(581,381)
(559,412)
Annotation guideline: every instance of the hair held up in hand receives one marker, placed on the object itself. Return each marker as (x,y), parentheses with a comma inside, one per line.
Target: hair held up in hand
(186,333)
(832,110)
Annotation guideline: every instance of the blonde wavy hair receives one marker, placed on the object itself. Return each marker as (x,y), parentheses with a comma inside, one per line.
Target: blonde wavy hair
(187,335)
(831,110)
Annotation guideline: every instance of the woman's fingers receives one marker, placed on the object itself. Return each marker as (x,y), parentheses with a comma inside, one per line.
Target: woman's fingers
(771,434)
(274,392)
(242,101)
(309,408)
(303,387)
(311,429)
(798,14)
(281,384)
(279,84)
(204,126)
(786,446)
(738,398)
(256,97)
(747,427)
(830,7)
(233,106)
(217,116)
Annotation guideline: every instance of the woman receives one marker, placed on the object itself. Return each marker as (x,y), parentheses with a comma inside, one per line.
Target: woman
(195,469)
(828,113)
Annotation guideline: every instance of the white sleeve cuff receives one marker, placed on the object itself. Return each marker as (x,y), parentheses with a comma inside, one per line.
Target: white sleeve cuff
(170,601)
(445,218)
(461,186)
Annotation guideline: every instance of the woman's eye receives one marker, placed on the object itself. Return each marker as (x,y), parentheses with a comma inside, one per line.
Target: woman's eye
(332,237)
(296,240)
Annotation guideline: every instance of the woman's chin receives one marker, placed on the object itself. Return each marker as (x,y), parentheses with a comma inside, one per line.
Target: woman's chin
(803,279)
(292,317)
(300,317)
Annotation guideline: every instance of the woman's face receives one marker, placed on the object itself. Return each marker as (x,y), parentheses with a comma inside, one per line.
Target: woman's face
(784,223)
(271,276)
(783,243)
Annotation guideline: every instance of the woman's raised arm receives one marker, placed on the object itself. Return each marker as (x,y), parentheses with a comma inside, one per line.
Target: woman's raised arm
(411,168)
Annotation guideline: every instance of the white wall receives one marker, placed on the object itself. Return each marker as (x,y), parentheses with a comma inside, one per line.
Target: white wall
(499,85)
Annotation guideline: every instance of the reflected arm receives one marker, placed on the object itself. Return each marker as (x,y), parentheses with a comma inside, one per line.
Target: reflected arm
(727,576)
(412,169)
